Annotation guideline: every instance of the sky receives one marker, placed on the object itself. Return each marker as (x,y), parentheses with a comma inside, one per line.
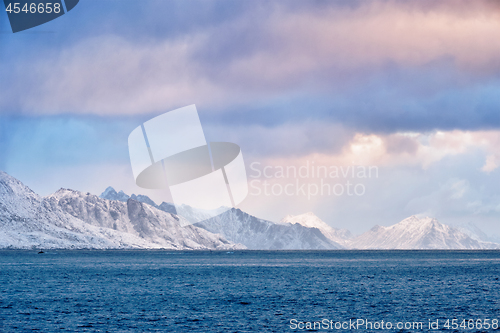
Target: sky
(410,88)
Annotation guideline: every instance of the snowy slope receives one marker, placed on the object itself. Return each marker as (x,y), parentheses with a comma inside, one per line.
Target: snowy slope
(30,221)
(111,194)
(240,227)
(26,221)
(417,233)
(136,218)
(255,233)
(310,220)
(72,219)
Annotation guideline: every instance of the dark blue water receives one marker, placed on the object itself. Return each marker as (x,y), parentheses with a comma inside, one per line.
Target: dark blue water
(245,291)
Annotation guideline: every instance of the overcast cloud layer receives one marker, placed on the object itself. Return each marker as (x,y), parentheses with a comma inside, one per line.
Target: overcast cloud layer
(376,65)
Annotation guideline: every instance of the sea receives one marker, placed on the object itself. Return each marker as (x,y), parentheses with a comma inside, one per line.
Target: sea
(249,291)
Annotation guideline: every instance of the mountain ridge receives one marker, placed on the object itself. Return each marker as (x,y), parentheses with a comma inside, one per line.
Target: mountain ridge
(310,220)
(256,233)
(240,227)
(28,220)
(410,233)
(439,236)
(417,233)
(73,219)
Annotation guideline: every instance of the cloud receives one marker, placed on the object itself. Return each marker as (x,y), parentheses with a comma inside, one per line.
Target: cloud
(381,65)
(490,164)
(401,149)
(286,140)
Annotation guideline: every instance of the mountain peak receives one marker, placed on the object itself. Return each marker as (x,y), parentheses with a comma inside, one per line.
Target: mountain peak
(310,220)
(376,228)
(108,191)
(111,194)
(417,233)
(6,178)
(13,186)
(415,220)
(64,190)
(140,198)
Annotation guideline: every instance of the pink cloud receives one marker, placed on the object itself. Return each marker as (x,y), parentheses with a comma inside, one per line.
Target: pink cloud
(111,75)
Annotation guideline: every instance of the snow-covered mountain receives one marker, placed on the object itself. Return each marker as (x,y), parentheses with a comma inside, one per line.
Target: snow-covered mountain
(137,218)
(26,221)
(411,233)
(111,194)
(71,219)
(255,233)
(417,233)
(309,220)
(240,227)
(191,214)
